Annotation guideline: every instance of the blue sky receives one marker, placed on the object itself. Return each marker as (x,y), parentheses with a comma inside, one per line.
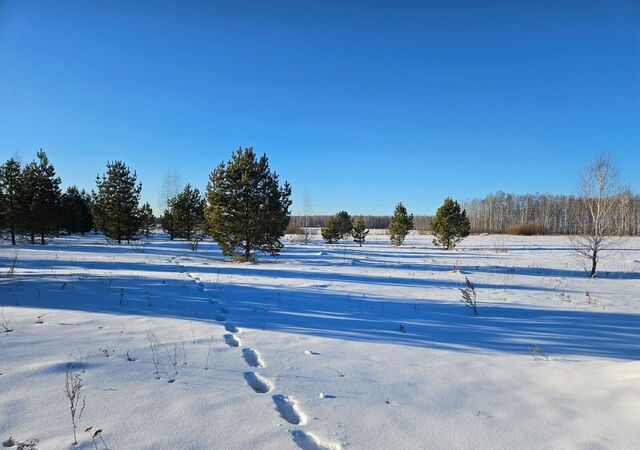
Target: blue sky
(359,103)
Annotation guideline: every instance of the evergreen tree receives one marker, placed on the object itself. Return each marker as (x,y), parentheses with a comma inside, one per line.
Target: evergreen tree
(10,190)
(344,223)
(187,210)
(359,232)
(247,210)
(331,232)
(168,224)
(117,202)
(76,211)
(147,219)
(97,213)
(40,198)
(400,225)
(450,225)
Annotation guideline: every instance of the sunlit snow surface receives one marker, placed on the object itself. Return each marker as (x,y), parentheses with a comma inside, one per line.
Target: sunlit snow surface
(324,347)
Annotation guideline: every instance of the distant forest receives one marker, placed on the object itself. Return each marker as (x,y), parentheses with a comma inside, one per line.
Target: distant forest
(555,214)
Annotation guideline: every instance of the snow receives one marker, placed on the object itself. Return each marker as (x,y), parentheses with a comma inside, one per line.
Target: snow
(323,347)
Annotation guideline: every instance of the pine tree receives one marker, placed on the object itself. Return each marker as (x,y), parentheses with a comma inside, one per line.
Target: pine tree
(400,225)
(450,225)
(359,232)
(40,198)
(168,224)
(331,232)
(187,210)
(76,211)
(117,202)
(147,219)
(247,210)
(10,189)
(344,222)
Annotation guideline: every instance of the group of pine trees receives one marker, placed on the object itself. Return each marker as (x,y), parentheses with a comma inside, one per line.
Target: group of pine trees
(449,226)
(245,208)
(33,205)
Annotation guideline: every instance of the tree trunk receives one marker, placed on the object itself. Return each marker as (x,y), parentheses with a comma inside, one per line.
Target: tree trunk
(13,235)
(594,263)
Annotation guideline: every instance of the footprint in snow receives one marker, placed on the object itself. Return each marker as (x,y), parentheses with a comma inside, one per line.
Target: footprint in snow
(307,441)
(231,340)
(252,357)
(231,328)
(289,410)
(258,383)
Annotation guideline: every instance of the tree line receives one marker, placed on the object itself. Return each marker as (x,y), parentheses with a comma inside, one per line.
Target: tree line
(554,214)
(246,209)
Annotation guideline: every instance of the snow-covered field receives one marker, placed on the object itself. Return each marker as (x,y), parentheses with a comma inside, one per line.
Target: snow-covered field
(323,347)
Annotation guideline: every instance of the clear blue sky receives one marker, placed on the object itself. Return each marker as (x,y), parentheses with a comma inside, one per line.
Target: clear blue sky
(360,103)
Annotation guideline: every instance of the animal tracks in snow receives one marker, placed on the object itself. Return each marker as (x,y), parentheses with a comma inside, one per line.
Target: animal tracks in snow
(289,410)
(258,383)
(252,357)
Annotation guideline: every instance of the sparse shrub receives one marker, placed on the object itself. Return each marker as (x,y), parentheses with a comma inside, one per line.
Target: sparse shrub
(77,401)
(537,353)
(96,436)
(162,358)
(12,265)
(4,322)
(469,296)
(525,229)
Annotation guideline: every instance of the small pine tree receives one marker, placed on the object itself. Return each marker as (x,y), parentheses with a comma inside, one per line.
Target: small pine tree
(247,209)
(147,219)
(168,224)
(359,232)
(331,231)
(450,225)
(117,202)
(10,188)
(187,211)
(400,225)
(76,211)
(40,198)
(344,224)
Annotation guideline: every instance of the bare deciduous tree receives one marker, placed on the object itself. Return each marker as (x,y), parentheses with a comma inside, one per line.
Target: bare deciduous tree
(171,185)
(306,213)
(599,189)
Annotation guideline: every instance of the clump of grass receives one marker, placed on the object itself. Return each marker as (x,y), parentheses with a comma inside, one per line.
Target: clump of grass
(469,296)
(538,353)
